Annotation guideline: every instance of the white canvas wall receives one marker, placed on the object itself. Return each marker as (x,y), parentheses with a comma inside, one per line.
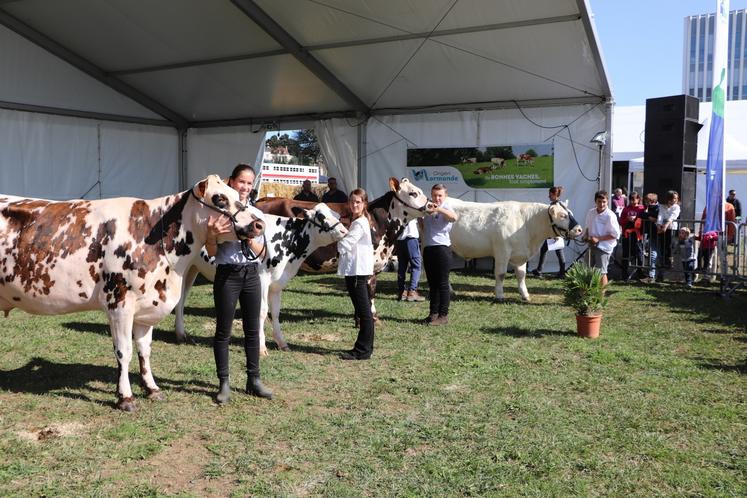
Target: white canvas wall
(56,157)
(219,150)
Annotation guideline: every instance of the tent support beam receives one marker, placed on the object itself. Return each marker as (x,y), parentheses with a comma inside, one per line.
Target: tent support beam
(272,28)
(89,68)
(347,44)
(468,106)
(57,111)
(591,35)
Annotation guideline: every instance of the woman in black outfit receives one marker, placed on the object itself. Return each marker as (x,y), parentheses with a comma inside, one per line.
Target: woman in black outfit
(554,195)
(236,279)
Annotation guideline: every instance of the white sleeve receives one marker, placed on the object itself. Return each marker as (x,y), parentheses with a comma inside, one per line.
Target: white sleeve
(356,233)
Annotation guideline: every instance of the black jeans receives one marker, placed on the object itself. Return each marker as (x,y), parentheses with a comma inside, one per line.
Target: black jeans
(437,263)
(236,283)
(543,255)
(358,291)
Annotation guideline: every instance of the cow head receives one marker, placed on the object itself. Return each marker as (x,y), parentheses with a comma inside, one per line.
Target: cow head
(562,221)
(215,195)
(326,227)
(408,195)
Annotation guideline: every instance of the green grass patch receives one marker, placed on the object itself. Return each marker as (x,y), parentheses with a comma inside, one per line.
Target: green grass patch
(503,401)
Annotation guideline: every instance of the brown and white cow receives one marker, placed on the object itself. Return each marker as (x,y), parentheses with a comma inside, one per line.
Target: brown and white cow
(124,256)
(389,213)
(510,232)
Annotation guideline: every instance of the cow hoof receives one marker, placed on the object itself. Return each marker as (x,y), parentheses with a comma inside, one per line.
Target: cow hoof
(285,348)
(156,395)
(499,300)
(126,404)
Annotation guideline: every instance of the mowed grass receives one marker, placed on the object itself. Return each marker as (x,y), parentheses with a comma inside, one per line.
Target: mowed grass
(504,401)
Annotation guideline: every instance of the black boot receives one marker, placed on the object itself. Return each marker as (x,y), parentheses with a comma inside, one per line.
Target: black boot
(224,392)
(255,387)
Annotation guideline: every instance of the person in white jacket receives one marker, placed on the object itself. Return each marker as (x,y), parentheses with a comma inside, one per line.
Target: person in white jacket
(356,265)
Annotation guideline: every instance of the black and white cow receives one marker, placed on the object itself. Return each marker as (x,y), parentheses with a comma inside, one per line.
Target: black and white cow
(289,242)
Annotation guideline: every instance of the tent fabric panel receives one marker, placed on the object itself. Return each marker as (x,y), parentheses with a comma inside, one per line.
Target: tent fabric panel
(474,71)
(122,34)
(219,150)
(60,158)
(47,157)
(31,75)
(505,11)
(345,20)
(269,86)
(138,161)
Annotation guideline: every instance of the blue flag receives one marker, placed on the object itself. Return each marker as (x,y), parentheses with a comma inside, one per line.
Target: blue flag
(714,208)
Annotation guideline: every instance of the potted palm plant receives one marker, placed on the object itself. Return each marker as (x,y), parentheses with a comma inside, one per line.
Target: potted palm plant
(584,292)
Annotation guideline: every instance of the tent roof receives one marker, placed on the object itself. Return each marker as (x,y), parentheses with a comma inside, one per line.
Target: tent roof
(198,63)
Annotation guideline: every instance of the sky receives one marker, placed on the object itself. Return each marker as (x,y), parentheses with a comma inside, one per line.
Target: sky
(642,43)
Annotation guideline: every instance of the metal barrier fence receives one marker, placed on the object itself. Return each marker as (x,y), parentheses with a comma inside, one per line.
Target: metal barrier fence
(647,254)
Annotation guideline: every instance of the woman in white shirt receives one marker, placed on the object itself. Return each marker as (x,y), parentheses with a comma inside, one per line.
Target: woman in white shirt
(356,265)
(666,224)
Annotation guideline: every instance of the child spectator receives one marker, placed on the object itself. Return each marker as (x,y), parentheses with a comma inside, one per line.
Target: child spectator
(686,249)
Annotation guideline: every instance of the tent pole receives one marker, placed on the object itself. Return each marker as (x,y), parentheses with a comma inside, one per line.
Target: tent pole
(182,159)
(362,153)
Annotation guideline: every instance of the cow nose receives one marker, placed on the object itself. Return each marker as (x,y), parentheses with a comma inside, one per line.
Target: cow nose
(258,226)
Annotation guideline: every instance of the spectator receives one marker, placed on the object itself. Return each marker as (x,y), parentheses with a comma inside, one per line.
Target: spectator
(618,203)
(333,195)
(632,234)
(666,224)
(650,236)
(554,196)
(601,233)
(408,253)
(437,254)
(709,240)
(686,249)
(732,199)
(306,194)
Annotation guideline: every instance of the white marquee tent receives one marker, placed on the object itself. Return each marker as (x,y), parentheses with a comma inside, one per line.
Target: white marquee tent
(103,98)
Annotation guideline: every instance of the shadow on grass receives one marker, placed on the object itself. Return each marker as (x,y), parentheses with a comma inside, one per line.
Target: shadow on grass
(527,334)
(160,335)
(718,364)
(40,376)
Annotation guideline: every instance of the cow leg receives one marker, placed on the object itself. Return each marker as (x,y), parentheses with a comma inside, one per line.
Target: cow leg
(521,273)
(264,282)
(274,299)
(121,329)
(501,264)
(372,295)
(143,338)
(181,332)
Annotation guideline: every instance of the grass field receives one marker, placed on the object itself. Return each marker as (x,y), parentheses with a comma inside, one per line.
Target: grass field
(504,401)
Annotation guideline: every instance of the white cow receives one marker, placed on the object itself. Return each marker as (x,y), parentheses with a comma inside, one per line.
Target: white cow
(124,256)
(510,232)
(289,241)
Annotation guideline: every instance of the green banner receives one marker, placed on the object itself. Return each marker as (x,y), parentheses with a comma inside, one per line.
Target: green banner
(493,167)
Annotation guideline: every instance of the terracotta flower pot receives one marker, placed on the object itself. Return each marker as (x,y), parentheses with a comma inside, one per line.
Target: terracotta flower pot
(588,326)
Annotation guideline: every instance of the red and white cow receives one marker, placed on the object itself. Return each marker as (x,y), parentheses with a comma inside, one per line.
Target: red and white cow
(289,242)
(510,232)
(390,213)
(525,160)
(124,256)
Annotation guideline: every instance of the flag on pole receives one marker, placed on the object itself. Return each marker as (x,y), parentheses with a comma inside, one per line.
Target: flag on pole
(715,177)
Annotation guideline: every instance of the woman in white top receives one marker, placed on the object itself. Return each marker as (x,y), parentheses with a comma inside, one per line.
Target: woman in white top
(666,224)
(356,265)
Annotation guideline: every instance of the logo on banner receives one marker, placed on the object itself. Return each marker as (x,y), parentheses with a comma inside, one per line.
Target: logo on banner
(435,176)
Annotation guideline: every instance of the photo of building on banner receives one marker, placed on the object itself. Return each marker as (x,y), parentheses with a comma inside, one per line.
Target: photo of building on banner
(492,167)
